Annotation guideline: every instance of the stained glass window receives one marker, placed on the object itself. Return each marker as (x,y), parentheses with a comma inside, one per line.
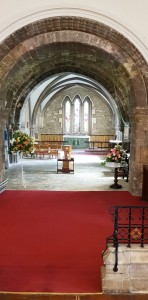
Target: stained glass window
(77,116)
(86,116)
(67,116)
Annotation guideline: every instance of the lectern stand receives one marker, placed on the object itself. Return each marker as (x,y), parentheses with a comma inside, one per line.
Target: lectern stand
(67,161)
(67,165)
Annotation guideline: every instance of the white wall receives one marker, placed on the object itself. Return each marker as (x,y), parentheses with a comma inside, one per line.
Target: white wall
(127,16)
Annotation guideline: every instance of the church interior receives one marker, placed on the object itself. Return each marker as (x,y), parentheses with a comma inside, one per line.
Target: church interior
(74,79)
(84,90)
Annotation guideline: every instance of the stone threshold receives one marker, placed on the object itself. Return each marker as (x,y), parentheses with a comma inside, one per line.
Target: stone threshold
(69,296)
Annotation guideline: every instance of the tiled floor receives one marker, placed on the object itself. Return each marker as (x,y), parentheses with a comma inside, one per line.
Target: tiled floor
(41,174)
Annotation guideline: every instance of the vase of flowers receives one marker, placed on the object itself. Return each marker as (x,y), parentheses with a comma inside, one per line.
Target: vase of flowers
(21,143)
(116,157)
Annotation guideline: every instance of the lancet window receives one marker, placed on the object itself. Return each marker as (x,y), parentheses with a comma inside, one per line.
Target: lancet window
(77,115)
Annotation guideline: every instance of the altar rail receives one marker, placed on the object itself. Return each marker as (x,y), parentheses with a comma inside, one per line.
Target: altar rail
(60,137)
(102,137)
(100,141)
(51,138)
(54,141)
(93,141)
(130,227)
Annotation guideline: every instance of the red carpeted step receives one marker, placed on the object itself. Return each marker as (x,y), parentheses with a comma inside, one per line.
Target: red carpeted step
(53,241)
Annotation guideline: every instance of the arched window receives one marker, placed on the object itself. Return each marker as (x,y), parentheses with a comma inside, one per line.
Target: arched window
(86,116)
(76,115)
(67,116)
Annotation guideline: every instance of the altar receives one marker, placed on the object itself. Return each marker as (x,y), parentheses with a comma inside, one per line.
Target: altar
(77,141)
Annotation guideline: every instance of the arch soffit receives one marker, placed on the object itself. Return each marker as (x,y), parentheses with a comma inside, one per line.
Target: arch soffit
(111,84)
(17,95)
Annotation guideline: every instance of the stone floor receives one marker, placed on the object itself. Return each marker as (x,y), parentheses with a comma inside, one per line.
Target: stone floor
(41,174)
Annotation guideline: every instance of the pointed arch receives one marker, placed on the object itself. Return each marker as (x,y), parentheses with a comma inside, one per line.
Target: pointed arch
(67,115)
(87,115)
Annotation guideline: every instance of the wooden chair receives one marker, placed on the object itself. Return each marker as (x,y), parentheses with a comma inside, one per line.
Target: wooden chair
(37,149)
(44,150)
(53,153)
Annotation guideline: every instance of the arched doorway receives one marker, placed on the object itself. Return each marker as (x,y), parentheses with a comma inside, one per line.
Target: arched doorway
(87,47)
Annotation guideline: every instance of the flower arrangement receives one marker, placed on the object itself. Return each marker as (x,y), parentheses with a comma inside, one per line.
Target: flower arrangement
(21,142)
(117,155)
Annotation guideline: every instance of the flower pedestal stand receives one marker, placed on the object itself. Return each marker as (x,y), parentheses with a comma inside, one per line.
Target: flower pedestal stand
(115,166)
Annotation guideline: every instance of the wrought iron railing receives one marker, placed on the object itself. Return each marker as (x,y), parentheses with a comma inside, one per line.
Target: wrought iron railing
(130,227)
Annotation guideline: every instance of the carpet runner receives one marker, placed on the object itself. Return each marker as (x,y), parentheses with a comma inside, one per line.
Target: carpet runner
(53,241)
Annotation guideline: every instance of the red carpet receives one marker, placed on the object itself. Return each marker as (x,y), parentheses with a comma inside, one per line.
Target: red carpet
(52,241)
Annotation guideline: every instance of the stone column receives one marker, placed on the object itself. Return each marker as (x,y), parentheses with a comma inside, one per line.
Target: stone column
(138,149)
(3,116)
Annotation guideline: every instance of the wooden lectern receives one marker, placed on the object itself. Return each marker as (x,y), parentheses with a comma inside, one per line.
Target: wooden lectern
(67,160)
(67,151)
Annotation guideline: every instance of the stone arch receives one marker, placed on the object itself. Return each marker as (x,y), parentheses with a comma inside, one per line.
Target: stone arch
(56,87)
(85,46)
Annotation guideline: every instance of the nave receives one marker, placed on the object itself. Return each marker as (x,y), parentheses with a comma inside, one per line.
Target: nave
(41,174)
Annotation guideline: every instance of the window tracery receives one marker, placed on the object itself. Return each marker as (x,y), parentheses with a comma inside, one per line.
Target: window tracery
(77,115)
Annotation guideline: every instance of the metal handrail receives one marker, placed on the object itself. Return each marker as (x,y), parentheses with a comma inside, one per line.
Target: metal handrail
(130,227)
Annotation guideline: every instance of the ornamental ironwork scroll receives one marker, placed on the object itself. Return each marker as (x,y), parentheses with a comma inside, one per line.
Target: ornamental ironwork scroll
(130,227)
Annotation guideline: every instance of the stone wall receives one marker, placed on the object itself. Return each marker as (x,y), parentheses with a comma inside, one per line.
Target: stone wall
(102,116)
(132,275)
(139,149)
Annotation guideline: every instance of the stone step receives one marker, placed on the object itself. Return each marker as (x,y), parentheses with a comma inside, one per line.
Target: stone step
(61,296)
